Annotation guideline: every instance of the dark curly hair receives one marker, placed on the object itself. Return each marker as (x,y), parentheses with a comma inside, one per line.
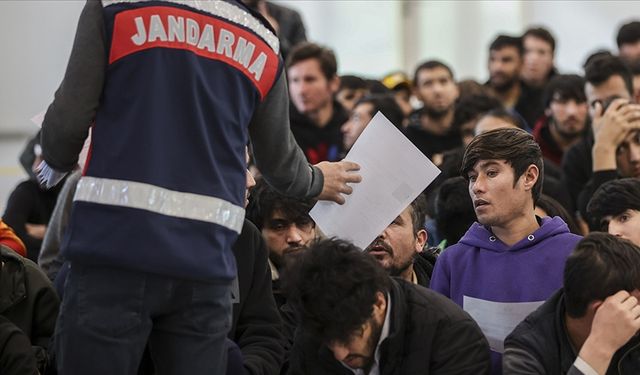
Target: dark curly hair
(264,200)
(333,286)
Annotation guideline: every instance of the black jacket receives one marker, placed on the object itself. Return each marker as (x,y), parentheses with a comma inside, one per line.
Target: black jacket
(423,267)
(256,325)
(429,335)
(319,143)
(16,356)
(540,345)
(28,300)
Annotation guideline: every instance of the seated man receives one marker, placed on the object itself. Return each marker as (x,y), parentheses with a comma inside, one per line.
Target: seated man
(285,225)
(355,319)
(28,301)
(510,261)
(591,325)
(399,248)
(616,208)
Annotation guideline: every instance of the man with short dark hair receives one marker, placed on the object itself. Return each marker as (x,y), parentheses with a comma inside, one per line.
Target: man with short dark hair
(566,117)
(615,207)
(539,49)
(364,110)
(590,326)
(510,261)
(430,127)
(614,149)
(505,64)
(400,247)
(628,41)
(352,88)
(355,319)
(316,117)
(286,228)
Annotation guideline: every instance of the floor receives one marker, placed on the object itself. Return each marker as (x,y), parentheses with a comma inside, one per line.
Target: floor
(10,170)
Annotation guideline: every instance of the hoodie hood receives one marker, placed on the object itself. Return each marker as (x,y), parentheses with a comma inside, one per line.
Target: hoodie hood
(480,236)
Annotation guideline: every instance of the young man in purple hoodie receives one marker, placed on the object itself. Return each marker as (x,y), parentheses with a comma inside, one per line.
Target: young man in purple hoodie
(510,261)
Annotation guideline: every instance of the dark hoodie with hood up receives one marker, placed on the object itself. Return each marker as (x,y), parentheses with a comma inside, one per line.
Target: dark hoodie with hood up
(499,285)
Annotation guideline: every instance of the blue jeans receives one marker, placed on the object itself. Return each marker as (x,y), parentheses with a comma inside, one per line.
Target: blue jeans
(108,315)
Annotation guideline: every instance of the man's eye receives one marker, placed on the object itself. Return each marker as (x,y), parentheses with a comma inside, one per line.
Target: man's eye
(492,173)
(472,178)
(623,218)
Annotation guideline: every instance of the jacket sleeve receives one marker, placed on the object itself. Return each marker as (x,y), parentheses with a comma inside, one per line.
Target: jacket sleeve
(259,328)
(50,258)
(45,306)
(519,360)
(16,355)
(461,349)
(67,121)
(286,170)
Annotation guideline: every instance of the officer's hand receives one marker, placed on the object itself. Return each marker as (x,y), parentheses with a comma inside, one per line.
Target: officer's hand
(337,177)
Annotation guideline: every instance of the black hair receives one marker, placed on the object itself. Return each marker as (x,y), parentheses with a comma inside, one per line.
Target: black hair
(613,198)
(600,69)
(454,209)
(599,266)
(333,286)
(565,87)
(430,65)
(507,116)
(628,33)
(470,108)
(264,200)
(353,83)
(542,34)
(515,146)
(553,208)
(503,41)
(385,104)
(596,55)
(418,212)
(325,56)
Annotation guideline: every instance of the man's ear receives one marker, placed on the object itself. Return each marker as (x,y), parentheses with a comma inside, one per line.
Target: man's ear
(531,176)
(421,239)
(334,84)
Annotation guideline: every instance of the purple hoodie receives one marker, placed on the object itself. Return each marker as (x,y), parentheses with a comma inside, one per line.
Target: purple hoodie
(499,285)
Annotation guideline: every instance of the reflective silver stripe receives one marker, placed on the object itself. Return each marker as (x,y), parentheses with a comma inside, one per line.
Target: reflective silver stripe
(221,9)
(160,200)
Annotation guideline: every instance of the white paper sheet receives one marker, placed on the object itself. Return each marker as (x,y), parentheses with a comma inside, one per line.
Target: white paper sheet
(497,319)
(393,173)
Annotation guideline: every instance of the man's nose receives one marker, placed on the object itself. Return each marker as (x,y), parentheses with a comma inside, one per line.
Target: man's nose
(293,234)
(340,352)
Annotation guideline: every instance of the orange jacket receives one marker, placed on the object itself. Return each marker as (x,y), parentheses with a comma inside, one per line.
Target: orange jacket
(9,239)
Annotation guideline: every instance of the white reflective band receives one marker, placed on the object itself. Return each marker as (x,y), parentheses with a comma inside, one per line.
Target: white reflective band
(222,9)
(160,200)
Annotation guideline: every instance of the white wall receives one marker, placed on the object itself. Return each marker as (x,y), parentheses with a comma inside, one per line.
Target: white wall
(35,39)
(370,38)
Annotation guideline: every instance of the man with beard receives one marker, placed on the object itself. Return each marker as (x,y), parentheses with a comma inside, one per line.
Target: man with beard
(430,127)
(505,64)
(355,319)
(286,228)
(566,117)
(399,248)
(614,149)
(510,261)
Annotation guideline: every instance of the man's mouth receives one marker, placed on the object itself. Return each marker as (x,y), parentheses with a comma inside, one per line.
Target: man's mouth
(479,203)
(293,249)
(379,248)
